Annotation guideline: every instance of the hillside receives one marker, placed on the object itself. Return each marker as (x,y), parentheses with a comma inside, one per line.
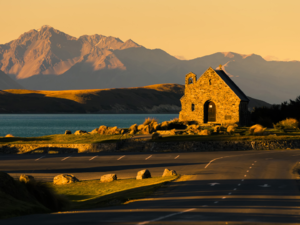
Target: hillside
(161,98)
(7,82)
(48,59)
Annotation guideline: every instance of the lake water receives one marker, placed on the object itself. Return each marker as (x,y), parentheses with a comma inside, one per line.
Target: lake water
(33,125)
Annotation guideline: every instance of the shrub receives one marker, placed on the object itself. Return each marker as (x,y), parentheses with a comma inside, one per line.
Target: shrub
(288,123)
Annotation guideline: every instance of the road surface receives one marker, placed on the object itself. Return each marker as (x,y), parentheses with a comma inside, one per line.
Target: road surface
(238,187)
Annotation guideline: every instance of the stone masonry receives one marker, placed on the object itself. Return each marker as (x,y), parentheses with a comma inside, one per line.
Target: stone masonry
(213,89)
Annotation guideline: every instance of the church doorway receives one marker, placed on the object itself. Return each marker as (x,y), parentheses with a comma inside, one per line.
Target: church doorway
(209,112)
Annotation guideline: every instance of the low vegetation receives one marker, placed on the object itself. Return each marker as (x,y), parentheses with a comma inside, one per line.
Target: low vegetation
(267,116)
(61,139)
(93,193)
(28,197)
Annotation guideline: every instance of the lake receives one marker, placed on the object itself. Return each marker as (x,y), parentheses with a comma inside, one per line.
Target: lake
(33,125)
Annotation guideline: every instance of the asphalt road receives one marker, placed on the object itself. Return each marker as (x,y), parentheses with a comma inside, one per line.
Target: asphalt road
(241,187)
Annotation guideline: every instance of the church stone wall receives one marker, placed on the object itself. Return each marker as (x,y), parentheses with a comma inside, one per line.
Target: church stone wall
(210,87)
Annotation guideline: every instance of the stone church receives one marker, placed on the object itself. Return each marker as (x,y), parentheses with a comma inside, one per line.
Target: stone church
(213,99)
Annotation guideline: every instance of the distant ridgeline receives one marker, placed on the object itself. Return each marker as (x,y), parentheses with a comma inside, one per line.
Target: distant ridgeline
(49,59)
(160,98)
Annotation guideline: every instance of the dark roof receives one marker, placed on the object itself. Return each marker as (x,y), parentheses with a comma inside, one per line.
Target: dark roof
(232,85)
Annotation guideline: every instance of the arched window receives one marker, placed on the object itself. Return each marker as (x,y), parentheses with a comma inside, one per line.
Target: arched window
(190,80)
(193,107)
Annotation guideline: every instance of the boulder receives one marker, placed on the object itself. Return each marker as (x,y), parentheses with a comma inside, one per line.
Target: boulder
(108,178)
(156,126)
(217,129)
(164,125)
(95,131)
(64,179)
(204,132)
(143,174)
(113,130)
(155,136)
(168,173)
(140,127)
(257,129)
(80,132)
(231,128)
(26,178)
(68,132)
(173,132)
(133,128)
(146,129)
(9,135)
(102,129)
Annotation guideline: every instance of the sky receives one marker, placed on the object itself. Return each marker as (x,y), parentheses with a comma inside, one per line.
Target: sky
(184,28)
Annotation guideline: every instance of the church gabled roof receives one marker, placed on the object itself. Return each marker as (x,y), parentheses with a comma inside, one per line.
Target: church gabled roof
(232,85)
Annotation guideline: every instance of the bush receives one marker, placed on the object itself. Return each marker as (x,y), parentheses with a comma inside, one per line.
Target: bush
(288,123)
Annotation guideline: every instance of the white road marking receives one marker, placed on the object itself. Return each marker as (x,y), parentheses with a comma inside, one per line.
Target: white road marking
(176,157)
(229,193)
(213,184)
(211,162)
(40,158)
(148,157)
(242,179)
(164,217)
(121,157)
(239,184)
(65,158)
(93,158)
(216,202)
(234,189)
(265,185)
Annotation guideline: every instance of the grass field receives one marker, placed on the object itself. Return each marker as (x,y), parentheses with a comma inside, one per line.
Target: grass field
(93,193)
(61,139)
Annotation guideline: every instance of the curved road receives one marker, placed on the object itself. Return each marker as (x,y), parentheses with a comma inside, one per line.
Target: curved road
(240,187)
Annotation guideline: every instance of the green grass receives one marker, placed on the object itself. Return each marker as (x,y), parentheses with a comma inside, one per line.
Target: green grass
(61,139)
(93,193)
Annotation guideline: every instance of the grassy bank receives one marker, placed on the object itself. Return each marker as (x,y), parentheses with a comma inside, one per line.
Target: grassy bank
(93,193)
(61,139)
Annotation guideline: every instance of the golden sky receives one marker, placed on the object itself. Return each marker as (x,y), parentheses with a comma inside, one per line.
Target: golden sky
(188,28)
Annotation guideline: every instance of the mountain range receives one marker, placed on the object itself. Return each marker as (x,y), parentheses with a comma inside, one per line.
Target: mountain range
(48,59)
